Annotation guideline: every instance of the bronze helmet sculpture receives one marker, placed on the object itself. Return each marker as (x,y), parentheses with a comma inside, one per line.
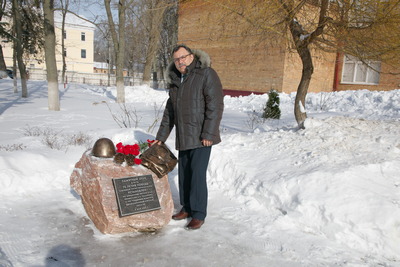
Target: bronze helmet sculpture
(103,148)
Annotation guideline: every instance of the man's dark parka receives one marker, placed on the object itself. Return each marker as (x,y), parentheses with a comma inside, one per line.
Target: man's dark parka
(195,105)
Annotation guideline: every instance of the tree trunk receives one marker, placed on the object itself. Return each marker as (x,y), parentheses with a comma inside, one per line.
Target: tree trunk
(120,55)
(119,45)
(308,69)
(302,46)
(50,55)
(2,62)
(15,84)
(150,56)
(302,39)
(64,66)
(109,62)
(156,17)
(18,46)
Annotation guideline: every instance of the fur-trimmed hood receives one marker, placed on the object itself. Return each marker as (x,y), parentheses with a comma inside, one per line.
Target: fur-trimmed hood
(201,59)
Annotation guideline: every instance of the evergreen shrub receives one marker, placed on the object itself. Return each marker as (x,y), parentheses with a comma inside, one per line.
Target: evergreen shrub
(272,109)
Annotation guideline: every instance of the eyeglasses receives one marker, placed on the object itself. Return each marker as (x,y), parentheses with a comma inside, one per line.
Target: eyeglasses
(176,60)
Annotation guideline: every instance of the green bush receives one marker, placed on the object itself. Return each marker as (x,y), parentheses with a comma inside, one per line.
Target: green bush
(272,110)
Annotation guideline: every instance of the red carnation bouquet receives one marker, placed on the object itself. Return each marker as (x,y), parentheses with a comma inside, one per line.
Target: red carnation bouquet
(130,153)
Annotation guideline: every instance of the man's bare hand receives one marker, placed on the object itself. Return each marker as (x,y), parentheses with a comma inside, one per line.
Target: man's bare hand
(206,142)
(156,142)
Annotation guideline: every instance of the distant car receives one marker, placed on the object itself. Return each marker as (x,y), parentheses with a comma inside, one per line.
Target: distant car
(7,72)
(10,73)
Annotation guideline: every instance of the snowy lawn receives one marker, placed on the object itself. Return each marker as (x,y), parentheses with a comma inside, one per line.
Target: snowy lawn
(328,195)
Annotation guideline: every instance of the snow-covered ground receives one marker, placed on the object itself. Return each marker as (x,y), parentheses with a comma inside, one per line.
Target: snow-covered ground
(328,195)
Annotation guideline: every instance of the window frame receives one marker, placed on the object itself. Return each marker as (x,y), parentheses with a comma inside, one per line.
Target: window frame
(354,67)
(83,53)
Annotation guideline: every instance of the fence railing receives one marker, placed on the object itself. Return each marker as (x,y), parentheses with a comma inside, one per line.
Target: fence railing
(101,79)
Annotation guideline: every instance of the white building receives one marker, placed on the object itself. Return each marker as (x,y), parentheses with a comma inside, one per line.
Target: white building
(79,45)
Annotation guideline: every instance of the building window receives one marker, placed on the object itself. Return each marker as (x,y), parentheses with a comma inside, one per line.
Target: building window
(357,72)
(83,53)
(65,34)
(83,36)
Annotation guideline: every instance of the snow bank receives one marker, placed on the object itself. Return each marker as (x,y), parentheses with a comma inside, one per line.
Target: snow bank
(326,194)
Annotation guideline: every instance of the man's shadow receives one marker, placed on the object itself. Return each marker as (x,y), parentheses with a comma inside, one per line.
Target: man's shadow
(63,256)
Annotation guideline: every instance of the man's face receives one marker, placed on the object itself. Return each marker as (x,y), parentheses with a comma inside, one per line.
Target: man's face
(182,59)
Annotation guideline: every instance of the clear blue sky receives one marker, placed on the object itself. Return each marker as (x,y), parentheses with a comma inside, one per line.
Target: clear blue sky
(91,9)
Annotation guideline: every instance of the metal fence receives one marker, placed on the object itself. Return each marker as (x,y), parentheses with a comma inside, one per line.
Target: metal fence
(101,79)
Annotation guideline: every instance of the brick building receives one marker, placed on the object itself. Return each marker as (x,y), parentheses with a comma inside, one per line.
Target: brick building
(246,62)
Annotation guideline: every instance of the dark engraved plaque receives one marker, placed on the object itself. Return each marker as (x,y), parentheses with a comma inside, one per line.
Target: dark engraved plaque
(136,194)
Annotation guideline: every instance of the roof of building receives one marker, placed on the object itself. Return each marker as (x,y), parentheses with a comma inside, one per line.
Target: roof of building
(72,21)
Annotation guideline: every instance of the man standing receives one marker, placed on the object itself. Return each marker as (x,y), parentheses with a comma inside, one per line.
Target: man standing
(195,107)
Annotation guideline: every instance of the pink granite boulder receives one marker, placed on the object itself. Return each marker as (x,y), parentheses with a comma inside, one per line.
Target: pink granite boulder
(92,180)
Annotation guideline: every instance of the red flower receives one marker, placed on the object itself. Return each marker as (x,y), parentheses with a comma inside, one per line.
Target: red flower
(128,149)
(120,148)
(150,142)
(133,149)
(130,152)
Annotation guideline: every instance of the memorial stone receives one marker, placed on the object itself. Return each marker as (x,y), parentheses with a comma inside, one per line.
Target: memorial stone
(92,179)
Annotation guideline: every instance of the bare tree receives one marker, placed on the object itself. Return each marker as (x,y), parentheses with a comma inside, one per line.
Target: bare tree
(16,10)
(155,15)
(103,49)
(3,33)
(2,62)
(27,35)
(6,33)
(365,29)
(64,12)
(50,55)
(118,37)
(136,38)
(15,83)
(302,40)
(148,29)
(141,48)
(169,37)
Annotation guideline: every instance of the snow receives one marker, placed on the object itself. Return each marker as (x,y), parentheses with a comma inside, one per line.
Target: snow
(328,195)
